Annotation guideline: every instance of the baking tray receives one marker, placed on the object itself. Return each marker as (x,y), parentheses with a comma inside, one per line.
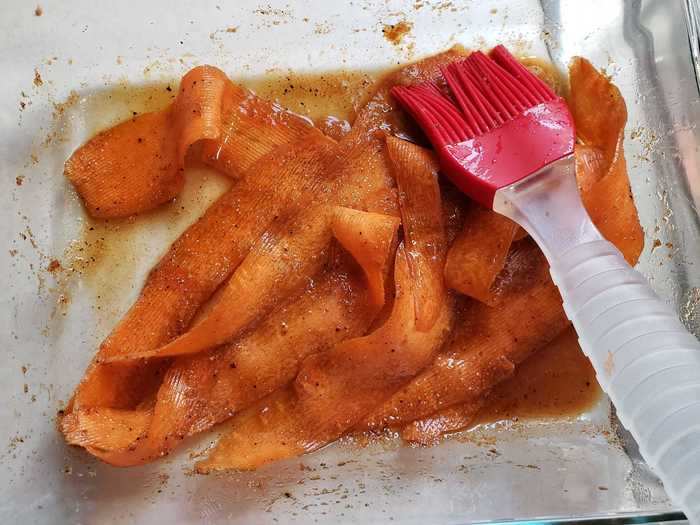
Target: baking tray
(62,60)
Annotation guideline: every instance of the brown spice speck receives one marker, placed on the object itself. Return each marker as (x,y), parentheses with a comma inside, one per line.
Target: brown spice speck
(54,265)
(19,180)
(232,29)
(38,11)
(394,33)
(37,78)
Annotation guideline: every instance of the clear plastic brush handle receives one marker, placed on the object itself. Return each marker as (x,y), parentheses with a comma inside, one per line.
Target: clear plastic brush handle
(645,360)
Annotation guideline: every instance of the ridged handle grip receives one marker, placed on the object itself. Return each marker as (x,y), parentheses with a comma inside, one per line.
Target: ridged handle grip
(645,360)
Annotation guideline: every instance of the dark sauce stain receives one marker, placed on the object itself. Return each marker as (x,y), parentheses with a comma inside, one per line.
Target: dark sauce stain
(556,381)
(394,33)
(337,94)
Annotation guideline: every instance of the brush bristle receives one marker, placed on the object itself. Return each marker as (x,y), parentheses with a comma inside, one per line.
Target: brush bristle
(541,91)
(435,114)
(488,91)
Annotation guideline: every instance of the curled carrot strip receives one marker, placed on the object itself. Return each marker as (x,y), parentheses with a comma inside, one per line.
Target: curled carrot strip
(370,238)
(486,343)
(416,171)
(600,115)
(281,263)
(355,375)
(478,254)
(139,164)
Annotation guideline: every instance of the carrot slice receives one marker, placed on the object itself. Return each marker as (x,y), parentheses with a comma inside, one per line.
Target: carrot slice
(416,171)
(252,128)
(173,417)
(281,263)
(201,390)
(197,263)
(128,169)
(486,343)
(600,115)
(429,430)
(370,238)
(478,253)
(139,164)
(334,389)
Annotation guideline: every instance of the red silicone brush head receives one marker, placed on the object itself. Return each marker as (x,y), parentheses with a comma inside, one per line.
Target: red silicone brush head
(501,124)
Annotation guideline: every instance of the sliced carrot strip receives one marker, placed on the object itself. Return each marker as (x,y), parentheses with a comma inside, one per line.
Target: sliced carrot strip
(139,164)
(280,264)
(377,233)
(370,238)
(416,171)
(429,430)
(600,115)
(252,128)
(129,168)
(201,390)
(597,106)
(486,341)
(478,253)
(197,263)
(334,389)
